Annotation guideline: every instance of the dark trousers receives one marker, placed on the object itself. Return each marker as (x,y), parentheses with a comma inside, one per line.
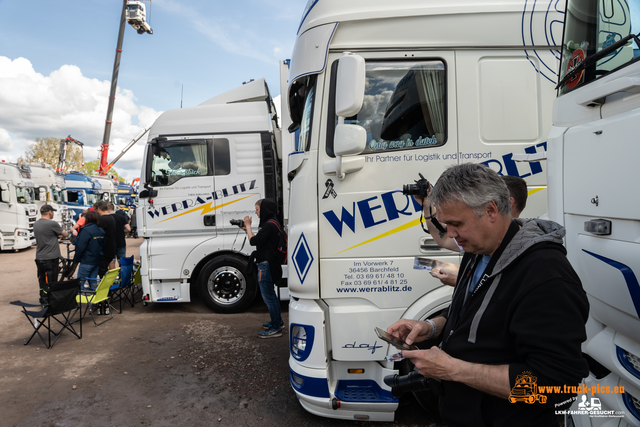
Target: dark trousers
(104,266)
(48,270)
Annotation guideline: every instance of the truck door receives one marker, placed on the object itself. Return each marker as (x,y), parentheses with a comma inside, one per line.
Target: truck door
(239,175)
(504,108)
(184,212)
(369,231)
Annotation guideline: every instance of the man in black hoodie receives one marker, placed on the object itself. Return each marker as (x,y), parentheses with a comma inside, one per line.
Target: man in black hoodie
(517,317)
(269,270)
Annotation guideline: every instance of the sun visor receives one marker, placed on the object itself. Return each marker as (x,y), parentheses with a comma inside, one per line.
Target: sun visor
(310,52)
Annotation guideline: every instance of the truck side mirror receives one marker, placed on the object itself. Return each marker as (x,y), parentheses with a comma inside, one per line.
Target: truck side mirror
(145,194)
(4,191)
(105,197)
(42,194)
(350,85)
(349,139)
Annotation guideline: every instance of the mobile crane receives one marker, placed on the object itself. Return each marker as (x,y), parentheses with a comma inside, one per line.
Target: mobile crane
(62,157)
(133,12)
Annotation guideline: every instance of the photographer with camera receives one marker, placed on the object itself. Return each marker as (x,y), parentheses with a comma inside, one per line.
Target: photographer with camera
(269,270)
(518,307)
(448,273)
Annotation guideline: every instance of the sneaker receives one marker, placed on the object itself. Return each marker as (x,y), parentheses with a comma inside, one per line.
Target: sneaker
(267,325)
(86,286)
(270,333)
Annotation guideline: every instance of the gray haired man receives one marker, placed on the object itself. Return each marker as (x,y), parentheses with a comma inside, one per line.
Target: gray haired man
(518,310)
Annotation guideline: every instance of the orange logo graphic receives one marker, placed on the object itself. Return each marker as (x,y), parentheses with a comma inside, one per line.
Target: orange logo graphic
(526,390)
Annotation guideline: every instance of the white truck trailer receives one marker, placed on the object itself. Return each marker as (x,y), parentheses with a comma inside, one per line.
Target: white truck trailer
(381,91)
(203,167)
(17,207)
(592,173)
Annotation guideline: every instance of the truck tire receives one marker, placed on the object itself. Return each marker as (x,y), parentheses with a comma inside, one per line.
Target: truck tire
(225,287)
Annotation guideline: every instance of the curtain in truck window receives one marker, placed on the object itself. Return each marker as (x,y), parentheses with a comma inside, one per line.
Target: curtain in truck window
(176,160)
(404,106)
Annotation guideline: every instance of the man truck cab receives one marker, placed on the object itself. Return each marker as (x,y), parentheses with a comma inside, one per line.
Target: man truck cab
(592,169)
(17,207)
(379,92)
(82,192)
(204,166)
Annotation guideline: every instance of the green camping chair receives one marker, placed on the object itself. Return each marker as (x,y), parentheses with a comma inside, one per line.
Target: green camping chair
(100,295)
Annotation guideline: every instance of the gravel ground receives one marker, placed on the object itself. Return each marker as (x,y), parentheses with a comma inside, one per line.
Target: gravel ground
(160,365)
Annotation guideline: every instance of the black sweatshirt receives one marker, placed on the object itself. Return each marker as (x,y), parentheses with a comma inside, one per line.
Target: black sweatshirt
(266,240)
(531,316)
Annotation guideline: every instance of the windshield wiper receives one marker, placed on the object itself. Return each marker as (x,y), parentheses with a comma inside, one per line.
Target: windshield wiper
(590,60)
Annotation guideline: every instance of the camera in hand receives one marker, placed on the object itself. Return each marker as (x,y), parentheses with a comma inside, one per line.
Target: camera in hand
(237,222)
(420,188)
(410,382)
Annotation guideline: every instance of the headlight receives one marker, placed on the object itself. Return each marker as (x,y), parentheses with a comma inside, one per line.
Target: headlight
(301,341)
(22,234)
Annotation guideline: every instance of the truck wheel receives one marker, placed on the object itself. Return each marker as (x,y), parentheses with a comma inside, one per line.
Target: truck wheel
(224,285)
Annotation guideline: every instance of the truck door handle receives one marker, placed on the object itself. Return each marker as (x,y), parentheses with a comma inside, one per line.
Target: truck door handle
(430,247)
(209,220)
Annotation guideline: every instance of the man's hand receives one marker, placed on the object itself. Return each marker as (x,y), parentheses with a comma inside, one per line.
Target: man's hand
(418,198)
(433,363)
(448,274)
(410,330)
(247,223)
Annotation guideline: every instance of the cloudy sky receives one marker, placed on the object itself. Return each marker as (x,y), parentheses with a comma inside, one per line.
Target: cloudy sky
(56,60)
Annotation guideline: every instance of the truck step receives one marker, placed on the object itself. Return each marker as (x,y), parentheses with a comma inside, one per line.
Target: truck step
(362,391)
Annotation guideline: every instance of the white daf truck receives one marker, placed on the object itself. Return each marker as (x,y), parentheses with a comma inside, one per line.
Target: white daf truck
(381,91)
(592,174)
(17,207)
(204,166)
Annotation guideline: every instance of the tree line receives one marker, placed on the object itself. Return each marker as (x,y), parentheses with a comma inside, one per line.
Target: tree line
(47,150)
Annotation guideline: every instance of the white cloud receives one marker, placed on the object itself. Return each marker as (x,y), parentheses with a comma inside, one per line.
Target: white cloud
(6,144)
(66,103)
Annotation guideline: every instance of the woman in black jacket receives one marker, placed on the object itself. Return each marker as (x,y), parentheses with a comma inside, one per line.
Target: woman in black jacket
(269,270)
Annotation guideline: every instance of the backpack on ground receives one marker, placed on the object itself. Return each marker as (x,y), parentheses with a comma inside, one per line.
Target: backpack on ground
(283,241)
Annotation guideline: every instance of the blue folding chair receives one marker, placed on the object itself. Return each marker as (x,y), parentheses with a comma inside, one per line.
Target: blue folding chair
(122,291)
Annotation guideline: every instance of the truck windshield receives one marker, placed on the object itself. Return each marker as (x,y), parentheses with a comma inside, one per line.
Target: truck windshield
(92,199)
(25,194)
(591,26)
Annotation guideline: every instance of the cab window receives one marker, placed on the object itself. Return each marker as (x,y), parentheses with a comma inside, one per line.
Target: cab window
(172,161)
(301,101)
(404,106)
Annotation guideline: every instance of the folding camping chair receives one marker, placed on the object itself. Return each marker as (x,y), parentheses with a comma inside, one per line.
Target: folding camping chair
(136,284)
(121,290)
(61,306)
(99,295)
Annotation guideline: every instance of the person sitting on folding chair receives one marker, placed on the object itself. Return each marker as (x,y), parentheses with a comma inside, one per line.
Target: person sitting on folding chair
(46,232)
(88,253)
